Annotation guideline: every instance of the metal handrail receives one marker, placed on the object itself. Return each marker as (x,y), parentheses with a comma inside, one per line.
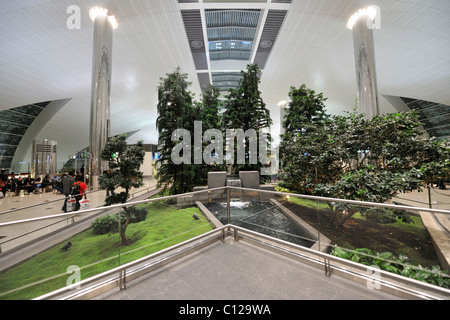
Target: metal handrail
(355,202)
(64,217)
(317,198)
(63,199)
(134,263)
(45,203)
(228,188)
(118,276)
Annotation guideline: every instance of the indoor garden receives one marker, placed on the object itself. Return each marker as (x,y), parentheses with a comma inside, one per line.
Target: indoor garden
(321,157)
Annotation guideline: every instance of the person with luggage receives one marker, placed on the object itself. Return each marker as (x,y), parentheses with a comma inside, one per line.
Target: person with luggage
(67,183)
(79,189)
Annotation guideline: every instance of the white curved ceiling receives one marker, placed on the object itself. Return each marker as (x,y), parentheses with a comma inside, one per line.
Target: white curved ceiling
(41,59)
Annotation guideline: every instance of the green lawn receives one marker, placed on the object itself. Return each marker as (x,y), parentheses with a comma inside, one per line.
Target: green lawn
(165,226)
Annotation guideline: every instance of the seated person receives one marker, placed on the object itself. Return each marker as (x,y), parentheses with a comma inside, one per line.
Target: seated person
(45,185)
(29,184)
(18,185)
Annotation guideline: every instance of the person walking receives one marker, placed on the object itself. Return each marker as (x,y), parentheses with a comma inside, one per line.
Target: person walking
(109,175)
(79,190)
(67,183)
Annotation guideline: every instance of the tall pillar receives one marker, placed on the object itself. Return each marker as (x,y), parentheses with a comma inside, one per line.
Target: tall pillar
(362,25)
(104,23)
(43,158)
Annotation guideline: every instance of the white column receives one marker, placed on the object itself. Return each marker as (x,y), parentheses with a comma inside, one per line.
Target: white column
(366,76)
(104,23)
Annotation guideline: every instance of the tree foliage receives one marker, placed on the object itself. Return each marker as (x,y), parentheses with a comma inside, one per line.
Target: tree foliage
(124,161)
(306,108)
(246,110)
(211,118)
(176,110)
(352,157)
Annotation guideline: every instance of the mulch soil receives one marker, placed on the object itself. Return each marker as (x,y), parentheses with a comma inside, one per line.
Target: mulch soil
(358,233)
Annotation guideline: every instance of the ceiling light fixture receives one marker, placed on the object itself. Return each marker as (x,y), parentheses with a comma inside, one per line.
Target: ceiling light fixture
(369,11)
(94,12)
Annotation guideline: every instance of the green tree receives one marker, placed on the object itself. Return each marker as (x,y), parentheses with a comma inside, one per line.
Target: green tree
(245,109)
(176,110)
(209,114)
(210,108)
(305,111)
(351,157)
(305,124)
(124,162)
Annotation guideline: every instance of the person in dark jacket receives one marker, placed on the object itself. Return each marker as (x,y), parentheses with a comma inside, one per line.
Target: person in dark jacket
(67,183)
(3,181)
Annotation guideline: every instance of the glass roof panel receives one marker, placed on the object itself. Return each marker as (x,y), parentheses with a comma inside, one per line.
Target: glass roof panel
(10,139)
(231,33)
(7,151)
(434,116)
(8,128)
(16,117)
(14,123)
(226,80)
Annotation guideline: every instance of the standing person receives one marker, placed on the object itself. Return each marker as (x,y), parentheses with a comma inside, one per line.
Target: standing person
(79,190)
(3,182)
(67,183)
(109,174)
(12,183)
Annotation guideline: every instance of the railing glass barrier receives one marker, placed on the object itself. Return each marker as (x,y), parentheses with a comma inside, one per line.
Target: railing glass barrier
(389,237)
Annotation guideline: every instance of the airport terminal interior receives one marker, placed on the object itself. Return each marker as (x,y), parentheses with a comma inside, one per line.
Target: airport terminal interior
(74,74)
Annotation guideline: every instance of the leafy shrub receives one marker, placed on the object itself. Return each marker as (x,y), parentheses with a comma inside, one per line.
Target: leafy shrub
(398,265)
(110,224)
(137,215)
(105,224)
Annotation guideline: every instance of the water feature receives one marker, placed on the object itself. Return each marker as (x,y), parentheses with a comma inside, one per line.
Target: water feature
(234,182)
(262,217)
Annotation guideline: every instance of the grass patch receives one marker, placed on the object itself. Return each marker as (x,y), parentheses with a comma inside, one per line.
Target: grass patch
(165,226)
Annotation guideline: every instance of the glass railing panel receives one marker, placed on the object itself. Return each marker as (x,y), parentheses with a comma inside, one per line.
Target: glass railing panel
(387,237)
(167,222)
(360,232)
(306,214)
(58,251)
(153,226)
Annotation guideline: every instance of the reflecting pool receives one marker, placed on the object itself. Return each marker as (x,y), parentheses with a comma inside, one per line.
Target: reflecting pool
(262,217)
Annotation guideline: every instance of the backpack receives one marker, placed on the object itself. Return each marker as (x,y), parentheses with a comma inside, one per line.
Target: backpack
(76,188)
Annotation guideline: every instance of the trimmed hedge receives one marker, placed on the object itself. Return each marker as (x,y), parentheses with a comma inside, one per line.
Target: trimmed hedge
(110,224)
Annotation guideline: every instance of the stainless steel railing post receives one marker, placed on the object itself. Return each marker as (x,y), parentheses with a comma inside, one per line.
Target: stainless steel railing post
(228,206)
